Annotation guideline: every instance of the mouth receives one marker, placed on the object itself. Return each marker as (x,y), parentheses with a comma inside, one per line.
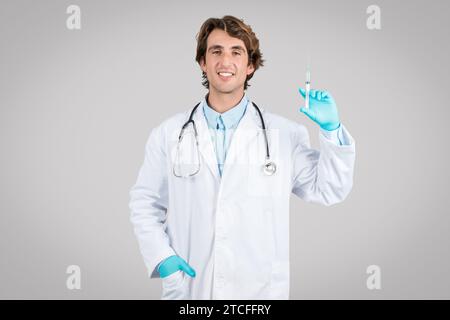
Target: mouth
(225,75)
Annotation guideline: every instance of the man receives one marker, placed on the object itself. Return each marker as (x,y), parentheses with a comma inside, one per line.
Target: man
(221,229)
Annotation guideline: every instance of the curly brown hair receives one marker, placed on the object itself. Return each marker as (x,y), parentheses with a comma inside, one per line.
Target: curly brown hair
(235,28)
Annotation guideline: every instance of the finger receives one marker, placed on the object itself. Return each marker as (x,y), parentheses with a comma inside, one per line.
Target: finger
(325,94)
(309,113)
(313,93)
(302,92)
(319,95)
(187,268)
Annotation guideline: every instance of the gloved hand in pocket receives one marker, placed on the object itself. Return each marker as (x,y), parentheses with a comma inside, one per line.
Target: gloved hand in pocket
(173,264)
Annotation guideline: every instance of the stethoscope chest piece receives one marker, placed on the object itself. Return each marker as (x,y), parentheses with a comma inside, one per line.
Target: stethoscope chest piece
(269,168)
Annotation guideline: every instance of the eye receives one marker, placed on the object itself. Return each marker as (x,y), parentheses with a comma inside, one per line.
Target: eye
(237,52)
(215,52)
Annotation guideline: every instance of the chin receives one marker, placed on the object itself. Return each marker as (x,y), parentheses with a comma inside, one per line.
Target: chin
(226,89)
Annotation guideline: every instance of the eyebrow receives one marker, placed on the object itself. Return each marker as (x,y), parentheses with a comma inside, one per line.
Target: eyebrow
(216,46)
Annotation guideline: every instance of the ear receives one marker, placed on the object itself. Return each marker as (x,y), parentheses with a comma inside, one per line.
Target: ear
(203,64)
(250,69)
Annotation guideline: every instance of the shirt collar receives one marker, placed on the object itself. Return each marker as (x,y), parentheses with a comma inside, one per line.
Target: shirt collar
(230,118)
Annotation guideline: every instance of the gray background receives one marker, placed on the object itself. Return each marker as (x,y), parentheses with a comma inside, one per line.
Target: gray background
(76,108)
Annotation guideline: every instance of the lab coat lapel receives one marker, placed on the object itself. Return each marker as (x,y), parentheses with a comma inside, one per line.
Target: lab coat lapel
(205,143)
(246,131)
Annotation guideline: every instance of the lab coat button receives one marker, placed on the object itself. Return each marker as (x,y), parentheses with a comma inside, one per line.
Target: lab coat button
(220,281)
(221,236)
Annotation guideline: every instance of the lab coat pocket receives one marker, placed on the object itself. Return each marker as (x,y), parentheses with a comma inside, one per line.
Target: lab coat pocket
(173,287)
(259,183)
(279,286)
(262,185)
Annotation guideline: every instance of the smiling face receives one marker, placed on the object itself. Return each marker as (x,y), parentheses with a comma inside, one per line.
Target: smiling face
(225,63)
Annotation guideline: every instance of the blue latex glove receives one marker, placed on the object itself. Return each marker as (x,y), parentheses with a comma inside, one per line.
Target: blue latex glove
(173,264)
(322,109)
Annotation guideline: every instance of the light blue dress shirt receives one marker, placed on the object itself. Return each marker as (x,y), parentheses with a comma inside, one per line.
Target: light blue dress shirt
(222,125)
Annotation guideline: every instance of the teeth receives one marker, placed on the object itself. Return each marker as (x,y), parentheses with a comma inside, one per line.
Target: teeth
(225,74)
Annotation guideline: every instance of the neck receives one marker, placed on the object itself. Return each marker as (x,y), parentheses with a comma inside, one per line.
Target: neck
(224,102)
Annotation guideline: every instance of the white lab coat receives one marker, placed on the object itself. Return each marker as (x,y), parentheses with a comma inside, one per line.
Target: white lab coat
(233,230)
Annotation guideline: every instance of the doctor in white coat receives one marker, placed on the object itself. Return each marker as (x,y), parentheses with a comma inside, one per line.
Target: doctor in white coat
(217,225)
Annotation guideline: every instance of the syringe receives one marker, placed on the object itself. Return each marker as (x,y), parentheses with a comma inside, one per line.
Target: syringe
(307,88)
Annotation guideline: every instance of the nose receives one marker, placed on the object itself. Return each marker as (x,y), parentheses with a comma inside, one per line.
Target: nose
(226,59)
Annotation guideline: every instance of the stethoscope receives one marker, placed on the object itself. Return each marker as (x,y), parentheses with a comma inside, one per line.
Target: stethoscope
(269,167)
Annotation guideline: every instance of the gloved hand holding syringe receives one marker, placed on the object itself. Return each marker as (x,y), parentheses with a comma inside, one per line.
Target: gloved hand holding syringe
(319,106)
